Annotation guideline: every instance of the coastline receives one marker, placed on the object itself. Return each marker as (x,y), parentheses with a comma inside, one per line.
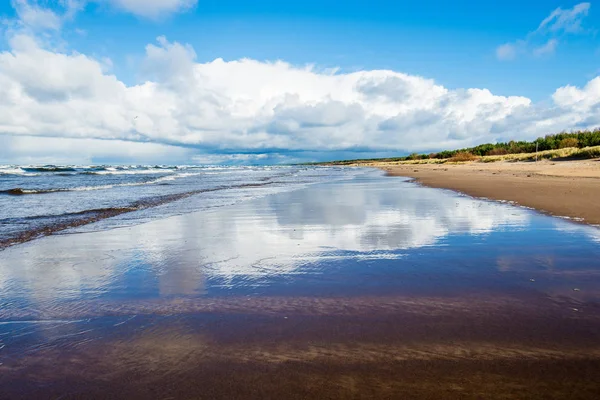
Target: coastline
(564,188)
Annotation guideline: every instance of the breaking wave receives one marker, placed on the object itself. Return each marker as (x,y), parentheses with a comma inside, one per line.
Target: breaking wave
(48,224)
(25,191)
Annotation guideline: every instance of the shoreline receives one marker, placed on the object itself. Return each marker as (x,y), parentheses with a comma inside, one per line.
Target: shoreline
(563,189)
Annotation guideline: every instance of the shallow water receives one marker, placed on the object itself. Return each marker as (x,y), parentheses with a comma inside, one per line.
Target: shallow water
(40,200)
(327,280)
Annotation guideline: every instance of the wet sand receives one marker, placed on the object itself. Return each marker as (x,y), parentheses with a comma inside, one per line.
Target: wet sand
(561,188)
(418,348)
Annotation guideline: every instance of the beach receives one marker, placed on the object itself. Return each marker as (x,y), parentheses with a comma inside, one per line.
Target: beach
(353,285)
(298,200)
(560,188)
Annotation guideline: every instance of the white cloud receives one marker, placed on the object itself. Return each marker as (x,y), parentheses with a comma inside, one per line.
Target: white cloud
(565,20)
(35,17)
(546,49)
(254,108)
(246,110)
(49,150)
(583,100)
(507,51)
(153,8)
(558,24)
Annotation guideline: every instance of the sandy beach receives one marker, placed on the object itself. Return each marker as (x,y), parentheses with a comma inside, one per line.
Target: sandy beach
(560,188)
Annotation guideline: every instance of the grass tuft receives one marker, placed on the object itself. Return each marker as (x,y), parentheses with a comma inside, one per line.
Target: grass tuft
(463,156)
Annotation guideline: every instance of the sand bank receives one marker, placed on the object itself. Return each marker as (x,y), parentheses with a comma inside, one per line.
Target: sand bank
(562,188)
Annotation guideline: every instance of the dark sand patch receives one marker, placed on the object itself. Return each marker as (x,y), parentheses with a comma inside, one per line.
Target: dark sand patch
(248,357)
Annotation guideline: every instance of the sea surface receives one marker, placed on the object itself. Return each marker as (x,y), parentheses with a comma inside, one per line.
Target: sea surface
(40,200)
(287,282)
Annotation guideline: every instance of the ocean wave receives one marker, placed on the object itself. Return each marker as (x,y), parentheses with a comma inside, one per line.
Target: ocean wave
(89,169)
(29,191)
(11,170)
(16,171)
(49,168)
(128,172)
(68,170)
(45,225)
(21,191)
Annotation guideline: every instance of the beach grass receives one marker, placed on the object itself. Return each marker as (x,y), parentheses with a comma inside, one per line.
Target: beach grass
(575,144)
(465,157)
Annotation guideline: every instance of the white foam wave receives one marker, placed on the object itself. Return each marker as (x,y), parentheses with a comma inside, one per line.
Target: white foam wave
(15,171)
(152,182)
(104,187)
(113,171)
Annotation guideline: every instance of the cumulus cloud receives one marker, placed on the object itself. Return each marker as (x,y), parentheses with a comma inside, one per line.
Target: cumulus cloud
(50,150)
(250,111)
(556,25)
(582,100)
(243,109)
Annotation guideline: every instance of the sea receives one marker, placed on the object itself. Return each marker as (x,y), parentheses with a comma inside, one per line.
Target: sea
(38,200)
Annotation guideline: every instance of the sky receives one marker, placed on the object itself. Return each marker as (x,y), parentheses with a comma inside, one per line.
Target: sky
(268,82)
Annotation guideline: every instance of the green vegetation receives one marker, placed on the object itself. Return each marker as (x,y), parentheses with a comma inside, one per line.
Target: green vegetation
(463,156)
(547,146)
(579,139)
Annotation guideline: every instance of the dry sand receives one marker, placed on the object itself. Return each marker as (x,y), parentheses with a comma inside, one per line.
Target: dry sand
(562,188)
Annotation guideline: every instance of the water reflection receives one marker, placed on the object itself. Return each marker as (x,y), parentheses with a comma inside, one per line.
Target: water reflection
(271,240)
(369,216)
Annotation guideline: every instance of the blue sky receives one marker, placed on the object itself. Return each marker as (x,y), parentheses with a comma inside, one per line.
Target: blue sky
(451,42)
(457,45)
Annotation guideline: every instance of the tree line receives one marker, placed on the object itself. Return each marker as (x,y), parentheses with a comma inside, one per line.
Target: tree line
(580,139)
(562,140)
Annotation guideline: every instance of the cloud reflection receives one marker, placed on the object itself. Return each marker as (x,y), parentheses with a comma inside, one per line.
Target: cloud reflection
(276,234)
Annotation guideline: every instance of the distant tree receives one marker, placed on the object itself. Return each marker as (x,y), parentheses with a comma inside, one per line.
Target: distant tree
(579,139)
(568,142)
(498,151)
